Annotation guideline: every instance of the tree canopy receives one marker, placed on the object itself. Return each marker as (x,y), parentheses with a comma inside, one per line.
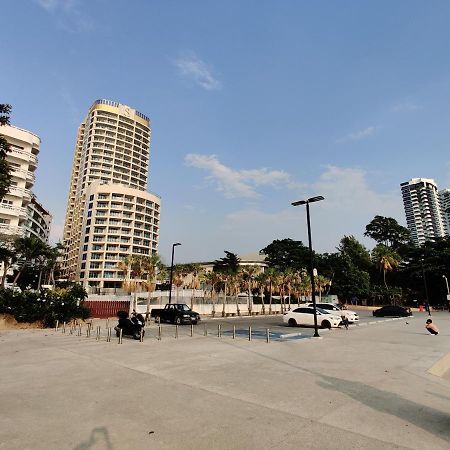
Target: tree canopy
(286,254)
(229,263)
(387,231)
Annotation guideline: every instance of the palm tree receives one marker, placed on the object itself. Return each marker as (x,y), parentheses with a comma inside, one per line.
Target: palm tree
(179,275)
(151,265)
(28,249)
(270,276)
(261,285)
(212,279)
(133,270)
(195,272)
(305,285)
(235,281)
(248,277)
(224,279)
(386,259)
(321,283)
(289,278)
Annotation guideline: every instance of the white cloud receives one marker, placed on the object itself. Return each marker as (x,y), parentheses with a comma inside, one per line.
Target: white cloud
(237,183)
(68,14)
(350,204)
(194,68)
(406,106)
(359,135)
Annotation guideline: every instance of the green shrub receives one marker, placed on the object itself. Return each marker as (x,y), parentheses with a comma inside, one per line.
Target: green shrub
(46,306)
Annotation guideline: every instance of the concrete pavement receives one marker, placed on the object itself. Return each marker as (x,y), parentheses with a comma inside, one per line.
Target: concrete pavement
(365,388)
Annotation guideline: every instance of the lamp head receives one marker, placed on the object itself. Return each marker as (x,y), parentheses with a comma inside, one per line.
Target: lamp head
(176,243)
(318,198)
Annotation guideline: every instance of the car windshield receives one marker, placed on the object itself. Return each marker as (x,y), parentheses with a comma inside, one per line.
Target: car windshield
(323,311)
(183,307)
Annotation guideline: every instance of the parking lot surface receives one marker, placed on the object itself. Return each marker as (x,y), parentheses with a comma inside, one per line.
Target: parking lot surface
(366,388)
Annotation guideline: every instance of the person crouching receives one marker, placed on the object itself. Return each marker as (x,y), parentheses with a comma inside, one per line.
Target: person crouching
(431,327)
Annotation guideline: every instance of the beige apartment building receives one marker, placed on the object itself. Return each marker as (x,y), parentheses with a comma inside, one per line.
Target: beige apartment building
(110,214)
(20,212)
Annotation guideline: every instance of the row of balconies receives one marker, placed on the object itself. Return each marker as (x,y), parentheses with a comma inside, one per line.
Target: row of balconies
(24,155)
(12,210)
(24,193)
(11,229)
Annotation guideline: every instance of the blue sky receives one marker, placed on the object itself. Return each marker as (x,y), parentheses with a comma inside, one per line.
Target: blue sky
(254,104)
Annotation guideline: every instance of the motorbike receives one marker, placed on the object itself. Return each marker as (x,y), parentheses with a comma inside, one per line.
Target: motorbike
(130,326)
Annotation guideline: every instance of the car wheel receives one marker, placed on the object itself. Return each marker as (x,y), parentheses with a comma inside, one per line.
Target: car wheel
(194,322)
(326,324)
(136,335)
(292,323)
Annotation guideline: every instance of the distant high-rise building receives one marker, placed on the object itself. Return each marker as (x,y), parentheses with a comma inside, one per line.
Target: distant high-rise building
(19,208)
(110,215)
(422,209)
(444,198)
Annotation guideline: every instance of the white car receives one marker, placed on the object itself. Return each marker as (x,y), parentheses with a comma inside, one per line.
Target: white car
(305,316)
(334,309)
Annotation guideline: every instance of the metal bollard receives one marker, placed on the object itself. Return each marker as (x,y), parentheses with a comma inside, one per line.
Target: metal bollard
(159,332)
(57,325)
(107,323)
(234,331)
(267,335)
(97,336)
(79,330)
(108,335)
(249,333)
(120,336)
(64,327)
(176,331)
(192,330)
(205,331)
(71,328)
(141,336)
(219,330)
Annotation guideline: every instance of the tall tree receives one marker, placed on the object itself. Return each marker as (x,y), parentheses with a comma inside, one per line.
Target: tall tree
(387,231)
(286,254)
(5,171)
(357,253)
(28,249)
(229,264)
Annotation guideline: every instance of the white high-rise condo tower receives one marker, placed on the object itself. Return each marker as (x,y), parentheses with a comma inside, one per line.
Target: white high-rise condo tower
(422,209)
(110,215)
(444,198)
(20,212)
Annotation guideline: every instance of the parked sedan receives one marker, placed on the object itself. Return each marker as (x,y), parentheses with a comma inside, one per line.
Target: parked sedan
(336,310)
(392,311)
(305,316)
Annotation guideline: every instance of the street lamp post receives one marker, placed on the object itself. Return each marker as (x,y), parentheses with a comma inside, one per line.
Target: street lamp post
(448,291)
(171,271)
(426,289)
(311,262)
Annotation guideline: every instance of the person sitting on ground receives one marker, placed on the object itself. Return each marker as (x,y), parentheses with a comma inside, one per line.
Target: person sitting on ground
(431,327)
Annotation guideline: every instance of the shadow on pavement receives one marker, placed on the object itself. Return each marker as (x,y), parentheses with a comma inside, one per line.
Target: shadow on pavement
(98,439)
(430,419)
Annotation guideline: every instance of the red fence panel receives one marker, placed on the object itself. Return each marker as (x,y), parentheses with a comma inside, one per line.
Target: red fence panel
(103,309)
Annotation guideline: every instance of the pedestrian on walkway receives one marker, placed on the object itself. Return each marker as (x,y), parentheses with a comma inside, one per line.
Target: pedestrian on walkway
(344,321)
(431,327)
